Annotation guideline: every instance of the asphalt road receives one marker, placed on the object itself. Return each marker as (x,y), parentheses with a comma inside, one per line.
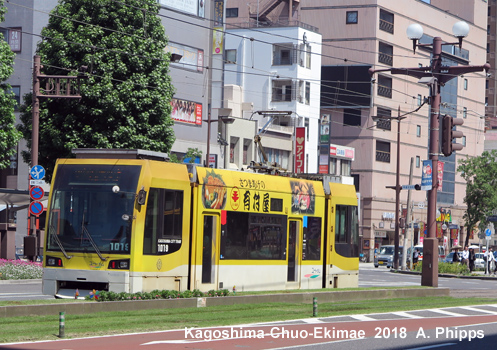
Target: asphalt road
(369,276)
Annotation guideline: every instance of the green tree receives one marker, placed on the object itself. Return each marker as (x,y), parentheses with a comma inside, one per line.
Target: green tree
(481,198)
(8,133)
(191,153)
(125,100)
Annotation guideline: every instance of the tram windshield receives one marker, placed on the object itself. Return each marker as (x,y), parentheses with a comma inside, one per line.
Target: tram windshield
(91,209)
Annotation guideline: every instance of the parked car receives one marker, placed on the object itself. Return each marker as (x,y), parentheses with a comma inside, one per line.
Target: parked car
(479,261)
(384,257)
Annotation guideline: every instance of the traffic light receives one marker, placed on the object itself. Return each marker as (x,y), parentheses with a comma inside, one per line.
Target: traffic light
(448,135)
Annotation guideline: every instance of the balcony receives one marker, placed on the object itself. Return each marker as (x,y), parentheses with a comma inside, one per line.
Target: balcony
(383,156)
(384,91)
(386,26)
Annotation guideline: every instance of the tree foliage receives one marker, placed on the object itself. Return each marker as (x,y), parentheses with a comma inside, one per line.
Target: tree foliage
(8,133)
(125,100)
(481,197)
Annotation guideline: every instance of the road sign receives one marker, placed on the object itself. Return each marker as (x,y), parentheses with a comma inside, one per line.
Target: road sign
(37,172)
(36,182)
(36,208)
(36,193)
(488,232)
(411,187)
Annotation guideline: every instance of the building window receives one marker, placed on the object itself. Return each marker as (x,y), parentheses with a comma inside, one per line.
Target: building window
(282,90)
(13,37)
(305,56)
(230,56)
(234,150)
(17,96)
(386,21)
(307,93)
(333,166)
(383,151)
(232,12)
(352,17)
(464,112)
(384,86)
(247,151)
(352,117)
(418,161)
(420,100)
(282,54)
(345,165)
(385,54)
(463,141)
(306,124)
(386,123)
(465,83)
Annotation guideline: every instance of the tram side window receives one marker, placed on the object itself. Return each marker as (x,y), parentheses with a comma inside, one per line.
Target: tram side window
(311,247)
(347,231)
(163,221)
(249,236)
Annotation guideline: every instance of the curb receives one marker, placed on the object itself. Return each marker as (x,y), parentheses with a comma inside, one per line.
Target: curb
(20,281)
(89,307)
(447,275)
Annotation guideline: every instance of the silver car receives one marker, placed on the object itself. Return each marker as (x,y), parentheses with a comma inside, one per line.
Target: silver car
(384,257)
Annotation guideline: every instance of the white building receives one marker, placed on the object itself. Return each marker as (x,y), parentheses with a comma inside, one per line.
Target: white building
(277,69)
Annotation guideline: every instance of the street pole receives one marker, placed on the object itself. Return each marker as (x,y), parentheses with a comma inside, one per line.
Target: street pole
(432,76)
(397,198)
(61,87)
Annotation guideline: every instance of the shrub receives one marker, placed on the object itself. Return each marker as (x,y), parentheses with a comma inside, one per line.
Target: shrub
(443,267)
(186,294)
(156,294)
(197,293)
(20,270)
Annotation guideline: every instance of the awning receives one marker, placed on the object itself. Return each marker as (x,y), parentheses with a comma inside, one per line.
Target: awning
(17,199)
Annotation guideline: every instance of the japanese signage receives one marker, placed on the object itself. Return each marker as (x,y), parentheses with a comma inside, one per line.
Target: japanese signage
(186,111)
(440,175)
(217,41)
(299,149)
(427,177)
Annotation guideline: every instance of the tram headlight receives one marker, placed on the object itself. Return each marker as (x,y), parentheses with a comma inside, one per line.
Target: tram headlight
(119,264)
(54,262)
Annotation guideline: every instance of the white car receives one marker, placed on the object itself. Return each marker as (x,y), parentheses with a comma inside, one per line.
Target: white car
(479,261)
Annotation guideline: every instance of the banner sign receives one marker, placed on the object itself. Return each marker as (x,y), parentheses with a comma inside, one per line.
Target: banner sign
(427,177)
(299,149)
(186,111)
(440,175)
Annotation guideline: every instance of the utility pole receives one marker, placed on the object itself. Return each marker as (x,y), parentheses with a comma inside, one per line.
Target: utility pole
(57,86)
(435,75)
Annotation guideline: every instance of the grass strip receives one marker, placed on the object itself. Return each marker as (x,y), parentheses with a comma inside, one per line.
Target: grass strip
(16,329)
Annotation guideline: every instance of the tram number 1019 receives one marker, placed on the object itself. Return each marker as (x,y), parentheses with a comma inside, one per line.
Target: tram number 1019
(119,247)
(162,248)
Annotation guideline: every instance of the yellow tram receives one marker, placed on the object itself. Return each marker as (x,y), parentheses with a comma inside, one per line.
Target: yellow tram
(129,221)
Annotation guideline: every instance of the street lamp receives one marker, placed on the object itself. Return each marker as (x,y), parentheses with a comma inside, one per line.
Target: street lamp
(437,75)
(223,116)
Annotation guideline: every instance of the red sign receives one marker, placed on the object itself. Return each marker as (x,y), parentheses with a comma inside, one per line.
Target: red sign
(300,149)
(36,193)
(36,208)
(440,175)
